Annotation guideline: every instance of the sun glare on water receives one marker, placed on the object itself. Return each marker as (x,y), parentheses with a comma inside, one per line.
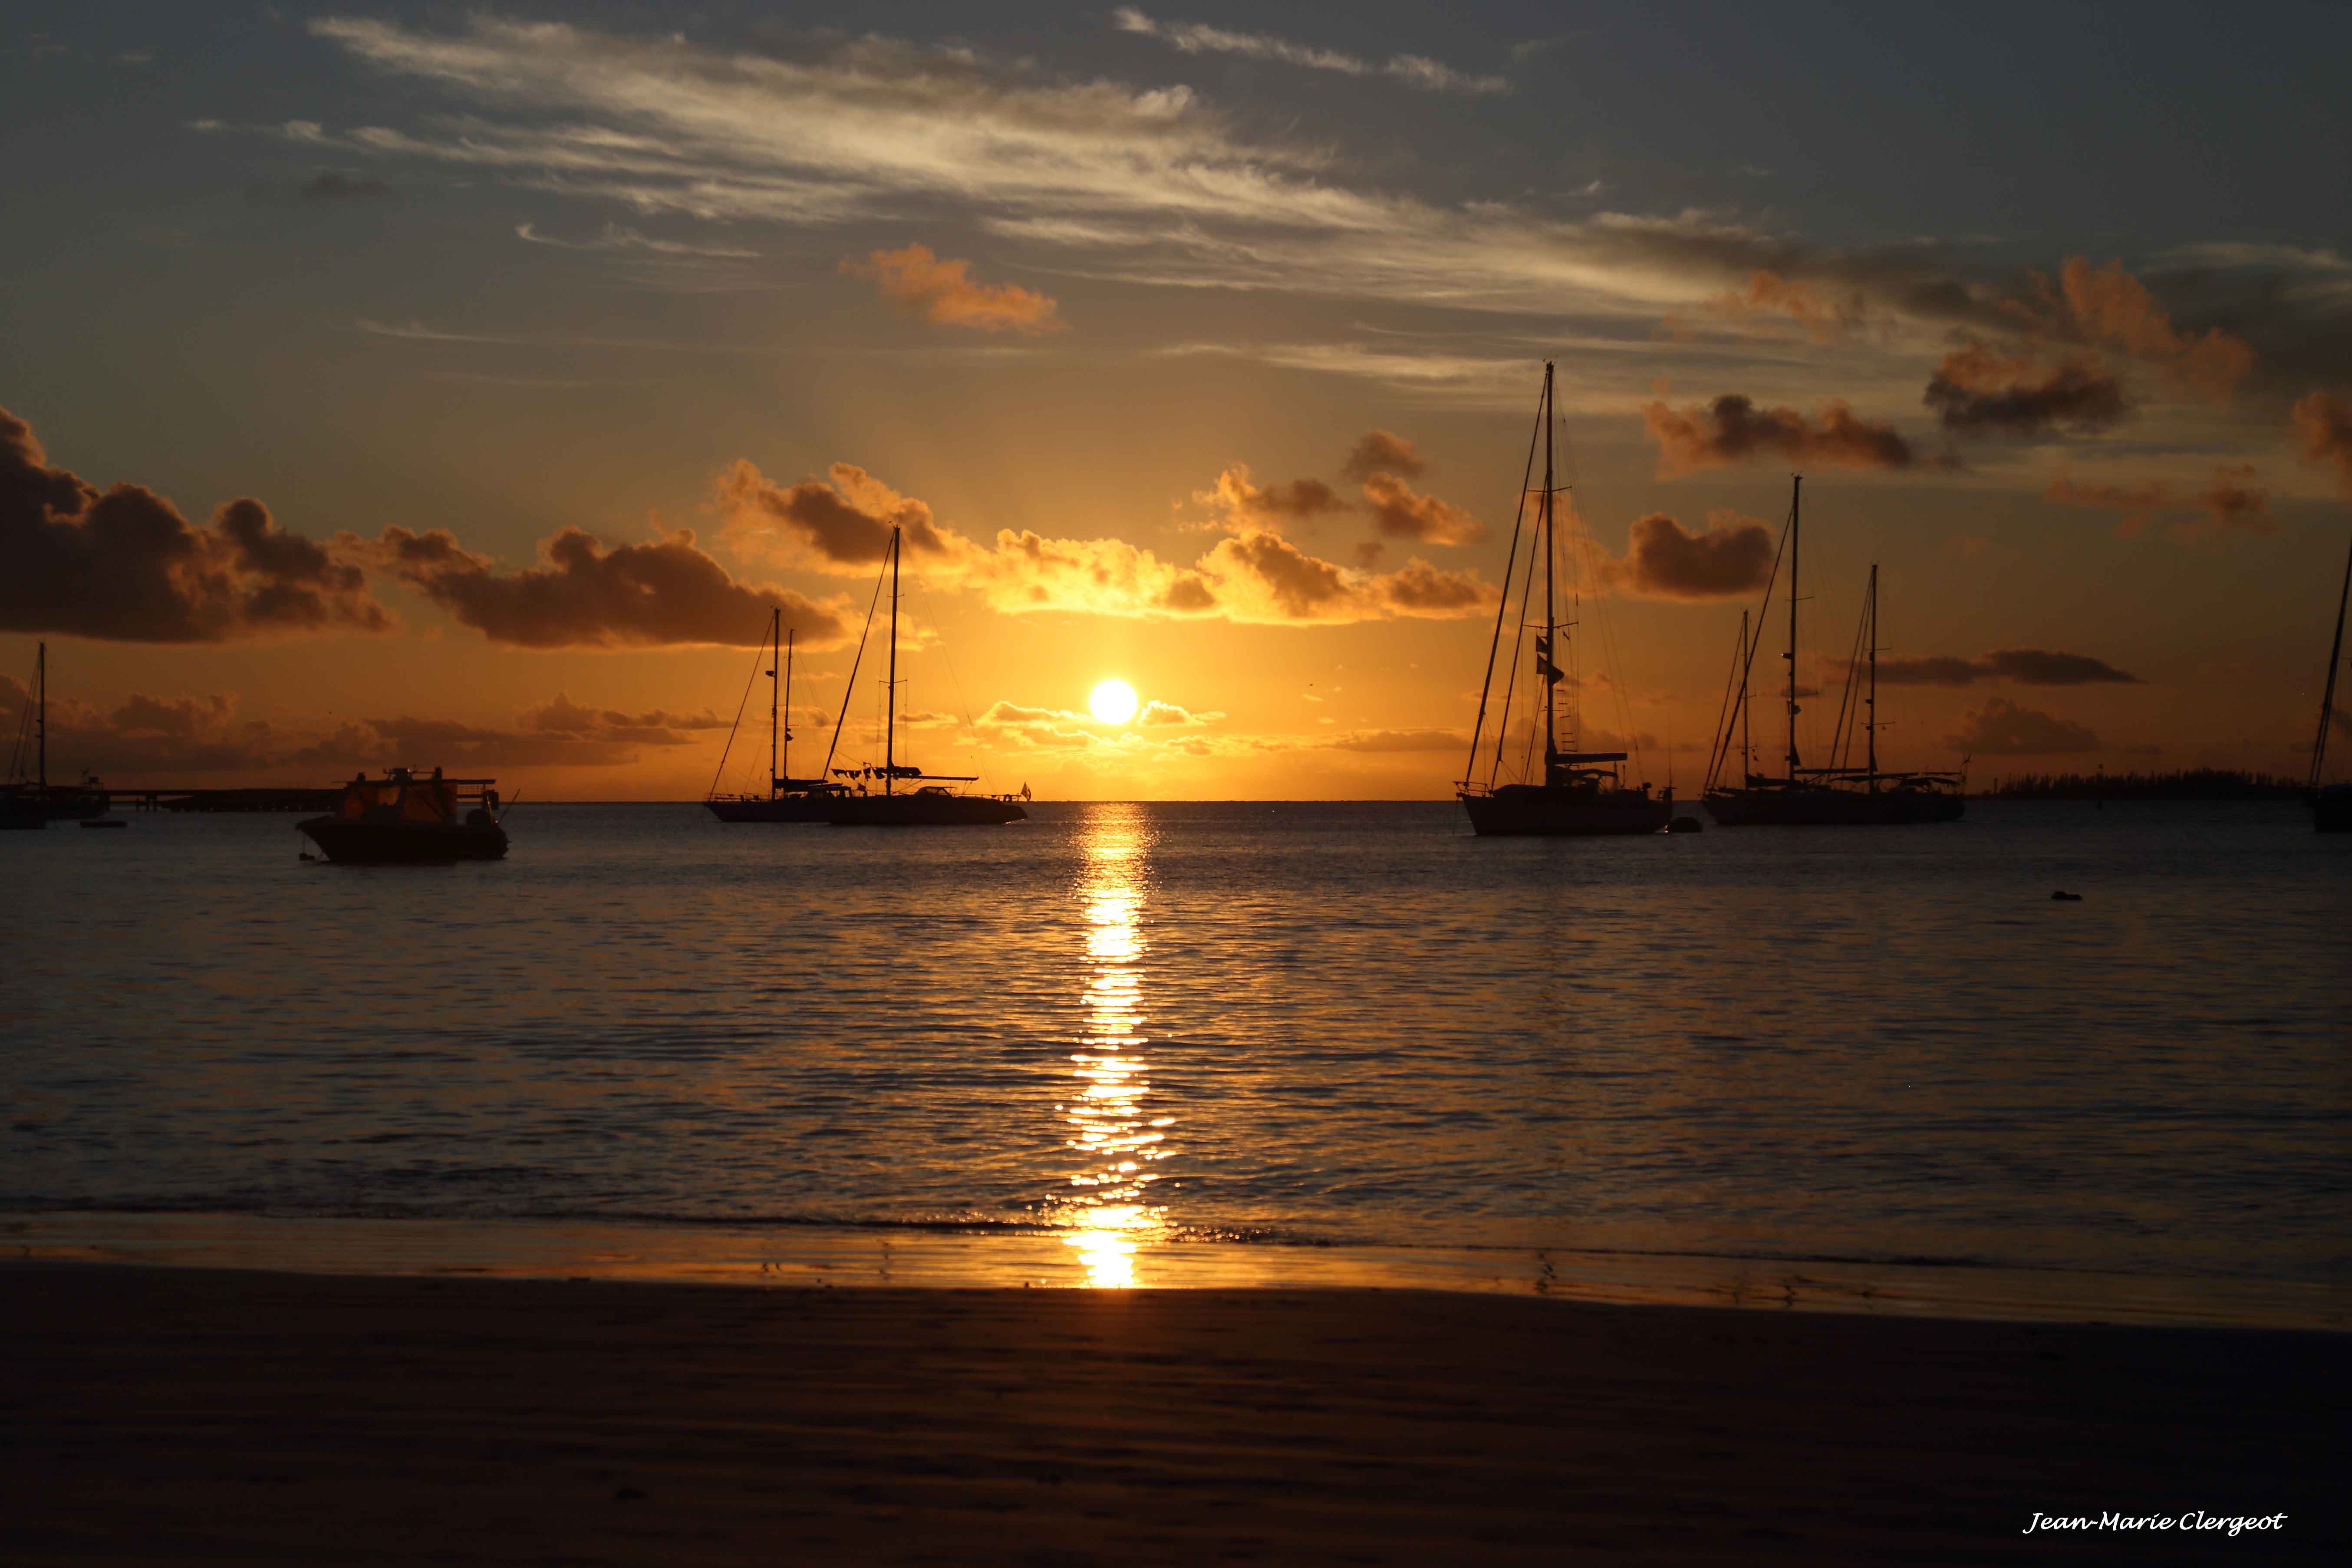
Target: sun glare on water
(1113,701)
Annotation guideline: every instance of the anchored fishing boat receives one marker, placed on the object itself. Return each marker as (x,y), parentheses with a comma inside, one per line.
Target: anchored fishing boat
(788,799)
(1579,793)
(928,804)
(1838,795)
(408,818)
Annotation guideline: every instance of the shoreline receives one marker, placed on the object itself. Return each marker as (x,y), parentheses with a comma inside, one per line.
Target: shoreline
(190,1413)
(783,1255)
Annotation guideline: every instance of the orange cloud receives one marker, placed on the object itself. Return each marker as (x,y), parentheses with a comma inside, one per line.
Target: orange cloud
(1731,556)
(1383,452)
(945,292)
(1246,505)
(848,522)
(2232,500)
(2108,305)
(1979,390)
(2325,424)
(1732,430)
(1769,293)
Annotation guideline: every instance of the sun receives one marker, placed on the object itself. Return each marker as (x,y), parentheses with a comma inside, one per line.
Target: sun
(1113,701)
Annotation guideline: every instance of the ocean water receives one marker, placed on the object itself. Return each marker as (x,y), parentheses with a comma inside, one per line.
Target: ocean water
(1143,1036)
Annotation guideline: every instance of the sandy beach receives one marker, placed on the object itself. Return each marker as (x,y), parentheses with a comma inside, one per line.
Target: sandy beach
(192,1414)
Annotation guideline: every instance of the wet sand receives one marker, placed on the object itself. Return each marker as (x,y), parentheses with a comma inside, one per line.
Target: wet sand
(170,1415)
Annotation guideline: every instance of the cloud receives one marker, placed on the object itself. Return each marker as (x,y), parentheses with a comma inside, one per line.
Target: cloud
(1978,391)
(615,237)
(1400,512)
(1413,70)
(334,186)
(1157,714)
(126,566)
(1731,430)
(1809,306)
(2108,305)
(2324,425)
(846,521)
(2022,666)
(1383,452)
(1255,576)
(1402,741)
(944,292)
(2001,729)
(1731,556)
(666,593)
(1246,505)
(2232,500)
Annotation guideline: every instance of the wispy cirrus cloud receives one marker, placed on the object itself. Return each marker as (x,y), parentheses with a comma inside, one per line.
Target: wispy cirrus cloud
(1413,70)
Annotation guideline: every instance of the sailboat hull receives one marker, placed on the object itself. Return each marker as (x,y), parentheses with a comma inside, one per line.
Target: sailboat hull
(924,809)
(1533,811)
(1831,807)
(783,808)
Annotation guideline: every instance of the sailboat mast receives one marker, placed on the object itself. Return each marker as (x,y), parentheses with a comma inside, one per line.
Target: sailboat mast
(891,688)
(1747,706)
(1870,702)
(1796,488)
(1549,673)
(2335,661)
(41,711)
(775,622)
(786,770)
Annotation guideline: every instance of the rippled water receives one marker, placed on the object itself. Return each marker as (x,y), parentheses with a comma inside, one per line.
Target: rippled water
(1345,1024)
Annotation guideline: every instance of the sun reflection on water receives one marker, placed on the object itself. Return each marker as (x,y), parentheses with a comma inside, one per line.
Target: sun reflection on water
(1117,1144)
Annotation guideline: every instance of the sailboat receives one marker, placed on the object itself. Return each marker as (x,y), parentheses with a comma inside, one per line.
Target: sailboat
(1838,795)
(28,803)
(2331,804)
(788,799)
(1580,793)
(930,804)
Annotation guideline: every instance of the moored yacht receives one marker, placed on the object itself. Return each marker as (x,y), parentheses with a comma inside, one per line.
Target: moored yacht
(788,799)
(1838,795)
(1579,793)
(931,803)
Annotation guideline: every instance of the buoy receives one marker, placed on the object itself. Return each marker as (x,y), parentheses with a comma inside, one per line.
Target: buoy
(2063,897)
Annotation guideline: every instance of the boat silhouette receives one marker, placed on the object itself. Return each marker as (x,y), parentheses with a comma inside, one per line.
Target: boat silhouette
(31,800)
(1838,795)
(788,799)
(2331,804)
(1580,793)
(928,804)
(406,818)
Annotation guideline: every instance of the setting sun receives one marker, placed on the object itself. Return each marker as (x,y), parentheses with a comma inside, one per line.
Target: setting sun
(1113,702)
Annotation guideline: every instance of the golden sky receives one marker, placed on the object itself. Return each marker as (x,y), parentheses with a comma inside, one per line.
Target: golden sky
(465,390)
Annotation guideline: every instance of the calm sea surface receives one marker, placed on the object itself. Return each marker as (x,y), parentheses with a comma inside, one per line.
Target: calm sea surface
(1145,1031)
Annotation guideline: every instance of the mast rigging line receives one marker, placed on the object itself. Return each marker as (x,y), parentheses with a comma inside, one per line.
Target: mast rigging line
(726,751)
(1503,604)
(849,690)
(1748,663)
(2335,661)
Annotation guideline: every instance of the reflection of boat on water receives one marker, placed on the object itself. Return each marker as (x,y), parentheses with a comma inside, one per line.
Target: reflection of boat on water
(1580,793)
(1840,794)
(929,805)
(405,819)
(2331,804)
(788,799)
(30,801)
